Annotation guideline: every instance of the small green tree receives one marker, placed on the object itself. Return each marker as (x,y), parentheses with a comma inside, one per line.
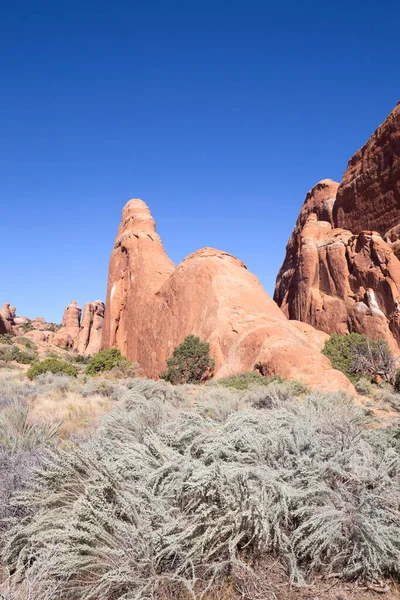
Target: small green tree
(190,362)
(52,365)
(105,360)
(356,354)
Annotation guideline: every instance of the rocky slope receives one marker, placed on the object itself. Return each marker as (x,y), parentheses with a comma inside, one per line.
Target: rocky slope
(341,272)
(152,306)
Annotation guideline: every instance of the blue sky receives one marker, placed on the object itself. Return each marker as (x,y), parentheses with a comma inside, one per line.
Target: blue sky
(220,115)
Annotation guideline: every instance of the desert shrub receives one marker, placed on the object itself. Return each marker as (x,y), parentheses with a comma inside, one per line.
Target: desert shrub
(242,381)
(15,472)
(52,365)
(387,396)
(79,359)
(57,383)
(26,342)
(357,354)
(364,386)
(161,494)
(26,358)
(9,352)
(13,391)
(103,387)
(397,381)
(217,402)
(54,327)
(27,326)
(18,431)
(190,362)
(125,370)
(7,338)
(105,360)
(276,392)
(12,352)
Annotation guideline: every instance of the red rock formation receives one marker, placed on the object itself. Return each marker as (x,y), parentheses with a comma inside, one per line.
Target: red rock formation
(341,272)
(85,336)
(7,316)
(138,268)
(67,336)
(152,306)
(369,195)
(89,339)
(339,282)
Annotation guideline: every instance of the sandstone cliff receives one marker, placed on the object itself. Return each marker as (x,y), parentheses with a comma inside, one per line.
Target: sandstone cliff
(152,306)
(341,272)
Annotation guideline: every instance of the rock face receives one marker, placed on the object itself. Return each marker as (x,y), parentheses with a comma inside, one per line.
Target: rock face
(67,336)
(138,268)
(369,194)
(85,336)
(152,306)
(89,339)
(341,273)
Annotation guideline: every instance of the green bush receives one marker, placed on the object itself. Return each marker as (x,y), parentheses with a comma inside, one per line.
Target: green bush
(105,360)
(27,326)
(9,353)
(26,358)
(190,362)
(52,365)
(243,381)
(79,359)
(364,386)
(7,338)
(356,354)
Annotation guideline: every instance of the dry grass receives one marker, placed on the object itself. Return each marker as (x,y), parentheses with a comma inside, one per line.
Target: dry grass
(72,410)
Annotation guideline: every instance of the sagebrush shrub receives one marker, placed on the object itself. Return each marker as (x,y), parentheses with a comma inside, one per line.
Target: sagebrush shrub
(163,493)
(242,381)
(102,387)
(9,352)
(364,386)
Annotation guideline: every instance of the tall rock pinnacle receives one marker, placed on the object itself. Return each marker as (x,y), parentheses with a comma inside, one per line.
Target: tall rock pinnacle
(152,306)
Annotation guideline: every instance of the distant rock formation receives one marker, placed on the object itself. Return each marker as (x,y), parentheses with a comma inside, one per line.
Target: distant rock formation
(7,316)
(341,273)
(89,340)
(85,336)
(152,306)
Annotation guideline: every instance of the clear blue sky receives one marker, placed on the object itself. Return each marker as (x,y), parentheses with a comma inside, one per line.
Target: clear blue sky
(220,115)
